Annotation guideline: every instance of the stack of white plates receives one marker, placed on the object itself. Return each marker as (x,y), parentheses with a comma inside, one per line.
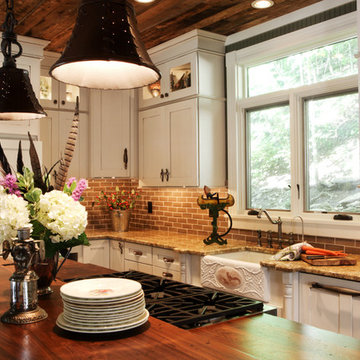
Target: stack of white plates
(102,305)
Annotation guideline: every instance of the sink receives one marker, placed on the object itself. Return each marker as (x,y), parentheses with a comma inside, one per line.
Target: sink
(237,272)
(247,256)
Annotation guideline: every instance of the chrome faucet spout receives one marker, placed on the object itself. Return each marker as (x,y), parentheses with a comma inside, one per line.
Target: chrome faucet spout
(277,222)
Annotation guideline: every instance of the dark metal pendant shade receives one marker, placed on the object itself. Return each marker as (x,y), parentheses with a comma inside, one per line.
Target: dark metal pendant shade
(105,50)
(17,97)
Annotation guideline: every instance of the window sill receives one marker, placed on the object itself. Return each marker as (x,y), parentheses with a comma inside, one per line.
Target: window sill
(313,225)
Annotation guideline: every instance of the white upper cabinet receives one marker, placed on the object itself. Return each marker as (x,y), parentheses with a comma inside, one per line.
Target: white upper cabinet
(112,125)
(169,153)
(192,64)
(182,129)
(57,95)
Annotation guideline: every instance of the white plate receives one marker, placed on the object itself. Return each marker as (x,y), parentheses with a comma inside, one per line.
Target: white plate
(102,322)
(105,314)
(121,300)
(101,288)
(62,323)
(104,309)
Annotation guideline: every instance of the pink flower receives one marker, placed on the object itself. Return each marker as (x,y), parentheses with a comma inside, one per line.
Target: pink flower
(80,188)
(70,181)
(9,183)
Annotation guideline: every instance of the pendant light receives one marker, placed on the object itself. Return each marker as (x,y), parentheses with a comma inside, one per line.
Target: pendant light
(105,50)
(17,97)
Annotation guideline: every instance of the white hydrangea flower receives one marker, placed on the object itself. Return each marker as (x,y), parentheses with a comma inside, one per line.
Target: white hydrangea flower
(14,215)
(62,215)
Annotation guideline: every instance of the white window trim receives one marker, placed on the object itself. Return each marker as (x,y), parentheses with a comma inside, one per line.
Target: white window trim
(236,61)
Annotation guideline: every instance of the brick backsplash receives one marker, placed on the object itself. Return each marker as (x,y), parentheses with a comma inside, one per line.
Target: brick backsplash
(175,209)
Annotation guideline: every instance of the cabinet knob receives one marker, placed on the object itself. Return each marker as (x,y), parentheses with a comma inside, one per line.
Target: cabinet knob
(166,94)
(168,260)
(137,253)
(62,102)
(55,101)
(167,274)
(162,96)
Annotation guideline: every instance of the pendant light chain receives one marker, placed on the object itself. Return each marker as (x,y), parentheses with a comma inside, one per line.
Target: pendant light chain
(9,36)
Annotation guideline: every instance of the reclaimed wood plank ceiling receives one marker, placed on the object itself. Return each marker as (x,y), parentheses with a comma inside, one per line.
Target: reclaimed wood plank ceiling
(158,22)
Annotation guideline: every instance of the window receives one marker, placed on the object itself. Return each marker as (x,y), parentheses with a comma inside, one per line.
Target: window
(268,157)
(324,63)
(329,137)
(332,153)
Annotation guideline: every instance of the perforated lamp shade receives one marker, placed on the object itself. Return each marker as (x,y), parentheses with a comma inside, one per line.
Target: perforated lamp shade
(17,97)
(105,50)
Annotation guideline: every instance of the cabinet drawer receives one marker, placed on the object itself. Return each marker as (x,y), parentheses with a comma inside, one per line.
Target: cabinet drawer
(168,274)
(166,259)
(138,252)
(133,265)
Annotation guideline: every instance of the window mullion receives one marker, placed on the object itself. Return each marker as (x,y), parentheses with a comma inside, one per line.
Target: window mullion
(297,154)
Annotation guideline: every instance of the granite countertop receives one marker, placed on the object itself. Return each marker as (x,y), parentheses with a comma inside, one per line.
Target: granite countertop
(182,243)
(193,244)
(348,272)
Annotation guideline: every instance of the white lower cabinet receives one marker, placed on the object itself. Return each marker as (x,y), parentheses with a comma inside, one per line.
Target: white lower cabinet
(97,253)
(166,263)
(124,256)
(332,304)
(138,266)
(116,255)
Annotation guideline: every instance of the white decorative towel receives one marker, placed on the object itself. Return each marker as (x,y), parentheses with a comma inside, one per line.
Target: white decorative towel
(291,253)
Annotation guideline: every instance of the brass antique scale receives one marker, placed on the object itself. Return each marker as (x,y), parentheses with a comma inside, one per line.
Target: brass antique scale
(214,203)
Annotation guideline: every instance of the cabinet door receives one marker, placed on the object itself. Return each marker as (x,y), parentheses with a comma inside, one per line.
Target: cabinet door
(117,255)
(60,124)
(181,118)
(153,146)
(137,266)
(111,113)
(329,309)
(60,96)
(168,145)
(97,253)
(178,80)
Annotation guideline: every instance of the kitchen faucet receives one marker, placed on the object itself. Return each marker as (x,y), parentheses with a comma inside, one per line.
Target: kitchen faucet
(277,222)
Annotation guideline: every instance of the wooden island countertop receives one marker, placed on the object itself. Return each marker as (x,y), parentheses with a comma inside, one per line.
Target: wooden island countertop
(262,337)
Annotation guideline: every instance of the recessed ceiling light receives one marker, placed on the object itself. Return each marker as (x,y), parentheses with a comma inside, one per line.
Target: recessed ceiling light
(262,4)
(144,1)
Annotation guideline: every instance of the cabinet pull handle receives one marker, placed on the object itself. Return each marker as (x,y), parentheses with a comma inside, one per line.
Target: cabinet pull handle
(336,289)
(55,101)
(162,173)
(121,248)
(167,274)
(62,102)
(168,260)
(125,158)
(137,253)
(167,174)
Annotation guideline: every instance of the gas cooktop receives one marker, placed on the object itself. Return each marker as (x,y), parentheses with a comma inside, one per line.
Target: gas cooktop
(188,306)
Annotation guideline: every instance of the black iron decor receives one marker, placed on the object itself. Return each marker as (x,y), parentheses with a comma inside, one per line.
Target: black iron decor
(105,50)
(17,97)
(215,204)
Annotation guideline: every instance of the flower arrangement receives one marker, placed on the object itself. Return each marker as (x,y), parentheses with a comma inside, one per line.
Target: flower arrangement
(57,217)
(14,214)
(119,200)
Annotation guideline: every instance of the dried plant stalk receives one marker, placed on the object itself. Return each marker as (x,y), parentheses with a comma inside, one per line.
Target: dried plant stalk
(69,150)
